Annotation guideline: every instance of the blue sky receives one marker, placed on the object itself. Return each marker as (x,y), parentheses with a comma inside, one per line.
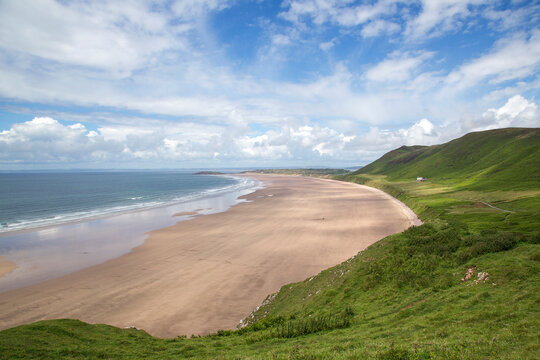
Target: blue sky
(209,83)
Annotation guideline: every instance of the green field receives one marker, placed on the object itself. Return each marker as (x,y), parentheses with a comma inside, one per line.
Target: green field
(465,285)
(303,172)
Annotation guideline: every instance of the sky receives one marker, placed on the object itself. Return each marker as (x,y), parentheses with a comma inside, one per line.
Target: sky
(232,83)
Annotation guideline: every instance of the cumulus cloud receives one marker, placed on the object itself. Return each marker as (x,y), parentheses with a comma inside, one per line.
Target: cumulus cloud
(376,141)
(46,140)
(421,133)
(517,112)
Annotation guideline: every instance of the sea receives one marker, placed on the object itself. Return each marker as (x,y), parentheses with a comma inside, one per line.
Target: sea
(54,223)
(29,200)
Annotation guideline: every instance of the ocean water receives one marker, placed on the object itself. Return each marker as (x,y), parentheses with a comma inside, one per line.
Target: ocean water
(29,200)
(57,223)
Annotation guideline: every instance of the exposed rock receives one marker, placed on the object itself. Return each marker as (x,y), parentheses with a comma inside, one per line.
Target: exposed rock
(469,273)
(482,276)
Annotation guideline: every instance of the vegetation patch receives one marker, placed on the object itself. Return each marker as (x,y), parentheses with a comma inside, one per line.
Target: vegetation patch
(303,172)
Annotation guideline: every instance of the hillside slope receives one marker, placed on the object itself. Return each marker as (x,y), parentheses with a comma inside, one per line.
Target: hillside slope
(494,159)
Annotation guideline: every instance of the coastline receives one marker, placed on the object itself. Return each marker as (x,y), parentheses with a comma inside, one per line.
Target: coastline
(50,251)
(206,274)
(122,210)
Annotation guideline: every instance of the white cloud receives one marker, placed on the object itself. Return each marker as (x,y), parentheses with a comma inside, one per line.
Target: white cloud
(339,12)
(516,112)
(525,17)
(280,39)
(378,141)
(101,35)
(160,57)
(378,27)
(189,9)
(398,67)
(437,17)
(325,46)
(46,140)
(116,37)
(422,18)
(363,13)
(421,133)
(512,58)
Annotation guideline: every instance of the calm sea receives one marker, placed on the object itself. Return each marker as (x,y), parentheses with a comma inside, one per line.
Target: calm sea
(29,200)
(79,219)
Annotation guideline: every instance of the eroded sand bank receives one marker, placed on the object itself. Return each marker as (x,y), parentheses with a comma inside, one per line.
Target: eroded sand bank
(208,273)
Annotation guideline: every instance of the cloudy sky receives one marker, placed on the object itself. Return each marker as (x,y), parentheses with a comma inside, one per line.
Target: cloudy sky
(218,83)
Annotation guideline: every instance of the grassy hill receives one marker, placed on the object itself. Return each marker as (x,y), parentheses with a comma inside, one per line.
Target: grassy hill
(464,285)
(499,159)
(302,172)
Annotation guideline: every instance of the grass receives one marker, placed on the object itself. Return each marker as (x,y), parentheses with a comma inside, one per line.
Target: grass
(502,159)
(406,297)
(303,172)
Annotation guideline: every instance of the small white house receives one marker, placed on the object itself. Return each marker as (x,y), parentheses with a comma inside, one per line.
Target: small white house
(421,179)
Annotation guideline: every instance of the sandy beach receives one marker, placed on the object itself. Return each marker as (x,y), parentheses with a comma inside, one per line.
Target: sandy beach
(6,266)
(208,273)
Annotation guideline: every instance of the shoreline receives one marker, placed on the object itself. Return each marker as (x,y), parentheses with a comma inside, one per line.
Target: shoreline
(208,273)
(113,213)
(47,252)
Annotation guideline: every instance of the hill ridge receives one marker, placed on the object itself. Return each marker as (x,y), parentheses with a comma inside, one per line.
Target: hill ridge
(500,158)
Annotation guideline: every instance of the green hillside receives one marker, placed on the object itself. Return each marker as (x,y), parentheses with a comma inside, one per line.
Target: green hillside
(495,159)
(302,172)
(464,285)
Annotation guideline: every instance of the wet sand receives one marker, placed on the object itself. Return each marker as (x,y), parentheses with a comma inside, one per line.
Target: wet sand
(208,273)
(6,266)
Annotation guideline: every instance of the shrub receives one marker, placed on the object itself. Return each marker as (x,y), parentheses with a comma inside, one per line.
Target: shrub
(485,243)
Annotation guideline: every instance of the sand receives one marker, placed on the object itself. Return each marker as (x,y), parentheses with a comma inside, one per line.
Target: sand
(208,273)
(6,266)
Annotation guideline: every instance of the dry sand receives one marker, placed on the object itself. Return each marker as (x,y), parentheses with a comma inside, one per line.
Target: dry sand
(208,273)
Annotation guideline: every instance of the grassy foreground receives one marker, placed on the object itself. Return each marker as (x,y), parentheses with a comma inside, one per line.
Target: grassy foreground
(465,285)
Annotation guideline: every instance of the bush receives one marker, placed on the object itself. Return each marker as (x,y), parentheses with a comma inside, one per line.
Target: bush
(313,324)
(487,242)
